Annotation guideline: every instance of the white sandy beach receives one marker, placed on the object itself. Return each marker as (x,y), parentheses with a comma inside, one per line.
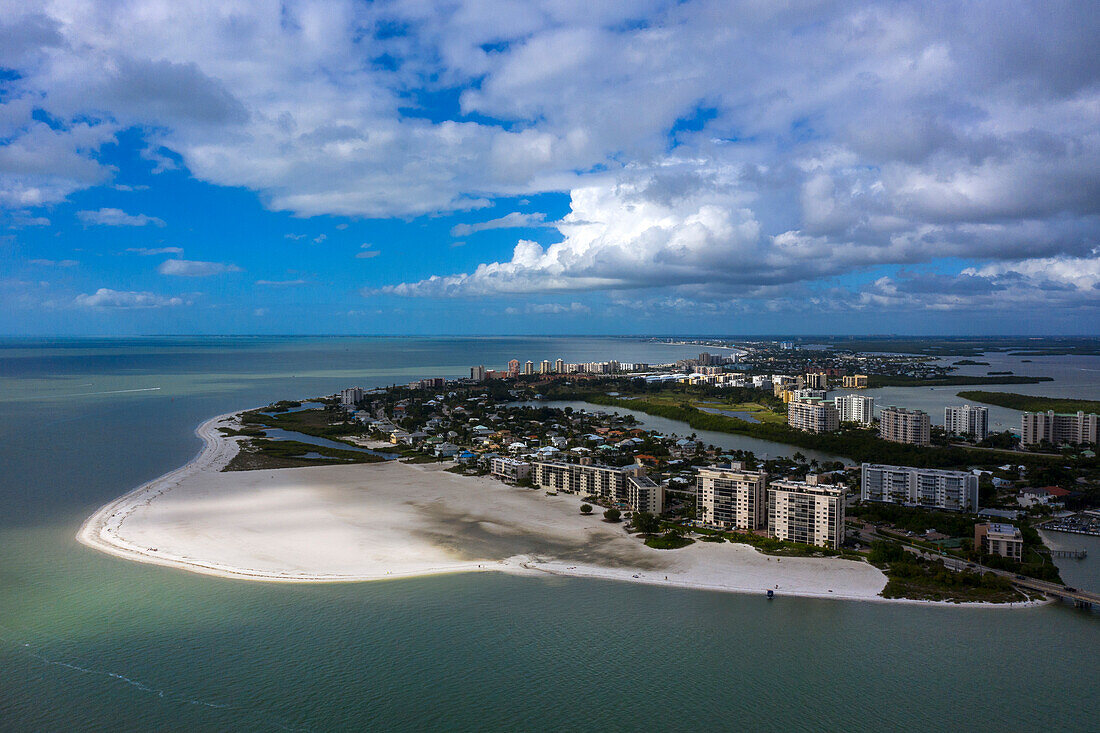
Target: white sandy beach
(389,520)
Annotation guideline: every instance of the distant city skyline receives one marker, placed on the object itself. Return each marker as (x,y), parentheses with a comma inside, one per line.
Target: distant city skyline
(481,168)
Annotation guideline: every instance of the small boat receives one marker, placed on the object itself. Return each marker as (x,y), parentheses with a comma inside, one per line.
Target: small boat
(771,594)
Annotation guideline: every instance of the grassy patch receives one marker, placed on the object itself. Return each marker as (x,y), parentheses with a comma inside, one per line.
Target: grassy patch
(668,542)
(320,423)
(261,454)
(782,548)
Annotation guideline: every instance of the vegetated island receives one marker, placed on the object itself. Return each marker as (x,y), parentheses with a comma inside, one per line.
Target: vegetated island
(1031,403)
(892,380)
(970,362)
(352,521)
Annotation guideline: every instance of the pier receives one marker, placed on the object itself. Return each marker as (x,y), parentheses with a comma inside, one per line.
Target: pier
(1075,554)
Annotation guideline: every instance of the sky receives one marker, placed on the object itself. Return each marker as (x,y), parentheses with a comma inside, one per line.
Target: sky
(558,167)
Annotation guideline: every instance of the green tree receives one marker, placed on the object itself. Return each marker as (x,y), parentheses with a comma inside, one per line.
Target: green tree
(612,514)
(646,523)
(586,508)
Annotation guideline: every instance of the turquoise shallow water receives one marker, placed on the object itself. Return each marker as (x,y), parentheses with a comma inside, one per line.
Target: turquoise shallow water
(91,642)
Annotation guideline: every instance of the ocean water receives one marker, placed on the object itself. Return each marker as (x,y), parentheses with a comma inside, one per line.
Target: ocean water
(91,642)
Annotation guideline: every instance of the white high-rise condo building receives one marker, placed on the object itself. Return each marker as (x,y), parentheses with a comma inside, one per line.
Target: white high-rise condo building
(733,498)
(925,487)
(806,512)
(899,425)
(559,367)
(529,368)
(544,367)
(351,396)
(855,408)
(813,416)
(477,373)
(1056,429)
(969,420)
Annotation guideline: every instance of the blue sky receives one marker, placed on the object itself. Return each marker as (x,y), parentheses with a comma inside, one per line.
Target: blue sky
(484,167)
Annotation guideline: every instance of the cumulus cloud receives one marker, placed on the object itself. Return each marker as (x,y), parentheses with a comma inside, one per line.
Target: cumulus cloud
(117,218)
(105,298)
(366,252)
(707,144)
(195,268)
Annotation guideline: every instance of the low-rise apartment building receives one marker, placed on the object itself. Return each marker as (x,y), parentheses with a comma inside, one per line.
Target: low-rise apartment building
(999,539)
(509,469)
(925,487)
(899,425)
(610,483)
(806,512)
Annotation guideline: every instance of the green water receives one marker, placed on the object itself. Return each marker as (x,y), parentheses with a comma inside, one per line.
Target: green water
(92,642)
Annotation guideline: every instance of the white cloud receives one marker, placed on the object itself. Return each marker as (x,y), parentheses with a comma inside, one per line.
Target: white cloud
(195,268)
(513,220)
(54,263)
(105,298)
(117,218)
(147,251)
(557,309)
(282,283)
(813,139)
(366,252)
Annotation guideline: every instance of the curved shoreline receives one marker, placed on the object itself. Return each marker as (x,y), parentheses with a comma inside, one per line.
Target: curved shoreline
(102,532)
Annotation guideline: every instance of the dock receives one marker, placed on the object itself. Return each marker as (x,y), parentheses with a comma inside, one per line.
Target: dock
(1075,554)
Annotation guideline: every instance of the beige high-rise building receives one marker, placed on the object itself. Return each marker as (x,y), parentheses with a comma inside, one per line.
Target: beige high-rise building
(814,416)
(806,512)
(899,425)
(854,381)
(817,380)
(1056,429)
(559,367)
(733,498)
(544,367)
(529,368)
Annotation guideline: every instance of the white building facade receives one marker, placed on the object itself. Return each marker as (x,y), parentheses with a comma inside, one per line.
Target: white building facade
(855,408)
(925,487)
(971,420)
